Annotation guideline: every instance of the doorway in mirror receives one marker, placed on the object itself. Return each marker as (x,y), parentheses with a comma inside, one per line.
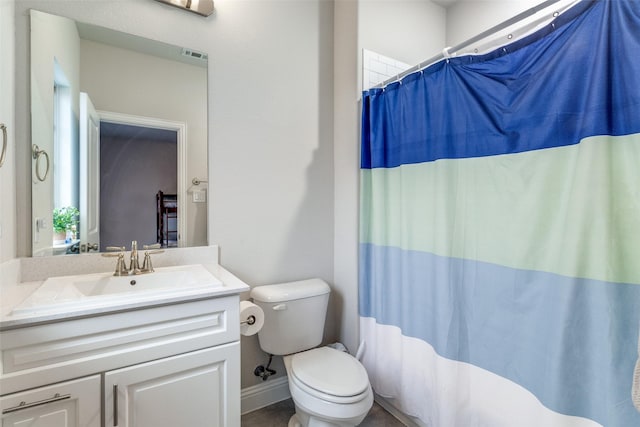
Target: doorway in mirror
(136,164)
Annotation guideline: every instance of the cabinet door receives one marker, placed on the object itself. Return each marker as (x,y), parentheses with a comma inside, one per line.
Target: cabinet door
(199,389)
(69,404)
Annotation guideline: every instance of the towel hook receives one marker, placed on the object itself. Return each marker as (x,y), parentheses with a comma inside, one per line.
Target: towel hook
(3,153)
(37,153)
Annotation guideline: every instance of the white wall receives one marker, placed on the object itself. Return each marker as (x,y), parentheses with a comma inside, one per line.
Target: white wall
(7,97)
(346,164)
(270,129)
(468,18)
(272,153)
(406,30)
(128,82)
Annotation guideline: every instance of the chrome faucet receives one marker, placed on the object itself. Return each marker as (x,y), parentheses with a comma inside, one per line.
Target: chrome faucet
(134,263)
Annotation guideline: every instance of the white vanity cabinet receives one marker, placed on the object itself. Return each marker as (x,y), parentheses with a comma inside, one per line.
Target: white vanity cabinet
(69,404)
(169,365)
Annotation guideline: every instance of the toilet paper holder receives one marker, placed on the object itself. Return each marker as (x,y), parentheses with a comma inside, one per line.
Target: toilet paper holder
(251,318)
(249,321)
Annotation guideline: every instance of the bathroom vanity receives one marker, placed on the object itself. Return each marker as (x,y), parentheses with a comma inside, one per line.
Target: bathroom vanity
(167,358)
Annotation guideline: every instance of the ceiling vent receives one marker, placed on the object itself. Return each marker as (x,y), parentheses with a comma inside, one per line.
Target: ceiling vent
(194,54)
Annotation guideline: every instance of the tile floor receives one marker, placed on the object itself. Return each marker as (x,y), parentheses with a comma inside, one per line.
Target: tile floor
(278,414)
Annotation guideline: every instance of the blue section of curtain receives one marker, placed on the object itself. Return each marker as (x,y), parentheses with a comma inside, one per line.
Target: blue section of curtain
(570,341)
(574,79)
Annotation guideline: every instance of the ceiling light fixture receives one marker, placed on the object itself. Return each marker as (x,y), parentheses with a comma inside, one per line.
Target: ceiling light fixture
(201,7)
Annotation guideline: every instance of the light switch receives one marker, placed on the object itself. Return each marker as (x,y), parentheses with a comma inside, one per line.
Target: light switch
(40,224)
(199,196)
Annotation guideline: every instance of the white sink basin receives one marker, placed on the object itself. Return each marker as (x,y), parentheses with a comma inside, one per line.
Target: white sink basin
(88,291)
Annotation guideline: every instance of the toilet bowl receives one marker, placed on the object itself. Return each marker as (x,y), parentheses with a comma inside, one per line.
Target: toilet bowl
(328,388)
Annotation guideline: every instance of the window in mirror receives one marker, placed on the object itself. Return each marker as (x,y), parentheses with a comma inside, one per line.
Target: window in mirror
(65,170)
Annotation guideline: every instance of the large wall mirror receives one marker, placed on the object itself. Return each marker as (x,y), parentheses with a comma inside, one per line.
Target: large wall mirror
(119,139)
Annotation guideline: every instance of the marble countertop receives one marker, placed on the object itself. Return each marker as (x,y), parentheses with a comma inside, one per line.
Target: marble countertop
(14,290)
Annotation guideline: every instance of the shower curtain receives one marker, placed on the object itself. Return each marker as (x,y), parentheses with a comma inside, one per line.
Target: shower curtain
(500,230)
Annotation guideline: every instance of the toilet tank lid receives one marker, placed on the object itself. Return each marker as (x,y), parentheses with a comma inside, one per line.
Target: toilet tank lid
(290,291)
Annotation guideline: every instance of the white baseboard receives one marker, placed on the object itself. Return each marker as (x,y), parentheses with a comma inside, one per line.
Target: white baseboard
(264,394)
(405,419)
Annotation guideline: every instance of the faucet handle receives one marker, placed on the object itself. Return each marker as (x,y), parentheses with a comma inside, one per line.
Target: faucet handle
(115,249)
(147,267)
(109,255)
(121,267)
(153,246)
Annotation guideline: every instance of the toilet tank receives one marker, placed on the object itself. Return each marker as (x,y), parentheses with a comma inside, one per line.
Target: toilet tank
(294,315)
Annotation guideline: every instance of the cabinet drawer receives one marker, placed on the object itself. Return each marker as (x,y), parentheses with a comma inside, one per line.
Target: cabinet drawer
(84,346)
(68,404)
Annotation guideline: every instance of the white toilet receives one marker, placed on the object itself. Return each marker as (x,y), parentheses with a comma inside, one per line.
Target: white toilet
(329,387)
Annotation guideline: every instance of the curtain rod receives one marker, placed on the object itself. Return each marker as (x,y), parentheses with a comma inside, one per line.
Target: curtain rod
(513,20)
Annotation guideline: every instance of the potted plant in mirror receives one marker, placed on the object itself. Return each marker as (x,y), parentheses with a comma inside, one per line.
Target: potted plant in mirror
(64,220)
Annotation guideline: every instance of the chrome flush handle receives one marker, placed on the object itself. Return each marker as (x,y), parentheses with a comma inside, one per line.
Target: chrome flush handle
(3,152)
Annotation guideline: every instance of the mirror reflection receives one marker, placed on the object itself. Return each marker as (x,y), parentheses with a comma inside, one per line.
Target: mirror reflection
(123,123)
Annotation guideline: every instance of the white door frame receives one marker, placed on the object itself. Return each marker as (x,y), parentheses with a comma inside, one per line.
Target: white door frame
(181,130)
(89,135)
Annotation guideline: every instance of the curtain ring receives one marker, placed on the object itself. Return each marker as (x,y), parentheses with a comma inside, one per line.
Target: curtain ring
(445,53)
(3,153)
(37,153)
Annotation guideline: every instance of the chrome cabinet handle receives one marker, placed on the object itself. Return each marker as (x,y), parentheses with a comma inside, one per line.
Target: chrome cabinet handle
(37,153)
(115,405)
(24,405)
(3,153)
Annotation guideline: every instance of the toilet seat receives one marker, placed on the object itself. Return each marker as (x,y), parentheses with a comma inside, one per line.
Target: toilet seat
(330,375)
